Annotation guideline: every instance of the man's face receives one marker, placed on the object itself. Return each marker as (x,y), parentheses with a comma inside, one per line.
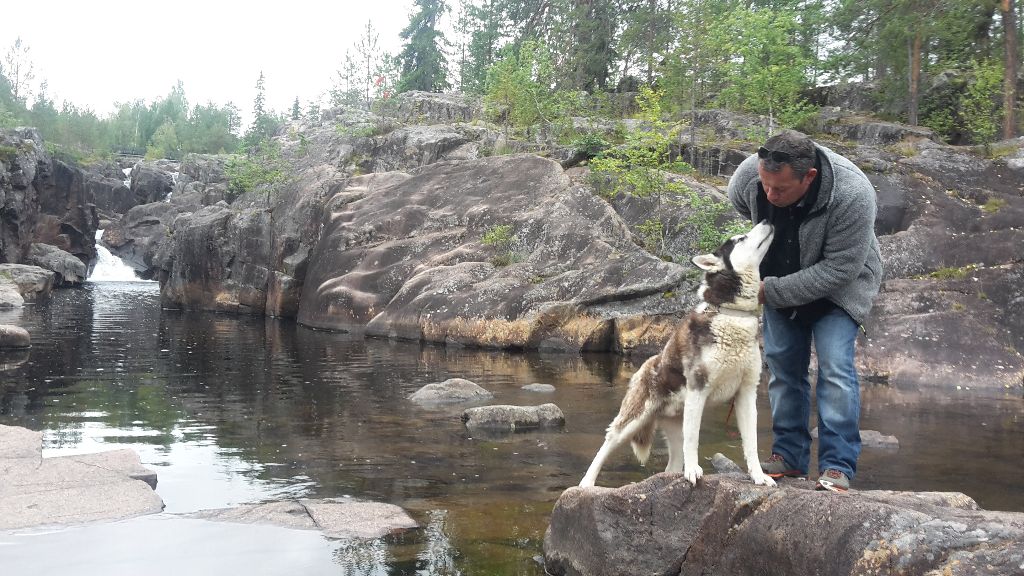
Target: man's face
(783,188)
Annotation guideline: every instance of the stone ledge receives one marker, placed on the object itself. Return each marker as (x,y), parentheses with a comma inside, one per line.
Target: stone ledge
(65,490)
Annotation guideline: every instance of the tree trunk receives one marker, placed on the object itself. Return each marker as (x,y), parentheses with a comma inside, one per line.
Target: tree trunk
(1010,70)
(915,77)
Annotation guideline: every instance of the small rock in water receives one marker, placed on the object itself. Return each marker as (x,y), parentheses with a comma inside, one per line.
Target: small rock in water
(543,388)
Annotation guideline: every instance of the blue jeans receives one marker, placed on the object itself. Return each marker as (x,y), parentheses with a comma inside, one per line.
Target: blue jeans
(787,349)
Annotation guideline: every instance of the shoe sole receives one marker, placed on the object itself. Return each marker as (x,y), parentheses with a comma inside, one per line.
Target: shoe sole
(830,486)
(786,474)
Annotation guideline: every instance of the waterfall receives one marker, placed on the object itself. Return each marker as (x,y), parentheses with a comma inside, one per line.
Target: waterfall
(110,268)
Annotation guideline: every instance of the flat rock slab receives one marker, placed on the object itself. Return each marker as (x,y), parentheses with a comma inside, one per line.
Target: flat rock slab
(342,519)
(37,491)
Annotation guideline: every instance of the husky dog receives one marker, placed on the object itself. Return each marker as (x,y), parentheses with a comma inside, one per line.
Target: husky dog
(712,356)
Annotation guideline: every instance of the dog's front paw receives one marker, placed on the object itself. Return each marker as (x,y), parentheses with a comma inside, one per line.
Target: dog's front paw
(693,473)
(762,479)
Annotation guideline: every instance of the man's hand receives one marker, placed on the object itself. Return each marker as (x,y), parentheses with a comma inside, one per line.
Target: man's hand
(760,293)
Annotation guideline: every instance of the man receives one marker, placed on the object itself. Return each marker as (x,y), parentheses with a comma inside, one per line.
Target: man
(819,279)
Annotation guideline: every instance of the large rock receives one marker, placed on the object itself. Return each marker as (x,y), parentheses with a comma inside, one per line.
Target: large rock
(151,182)
(68,270)
(432,108)
(413,146)
(505,418)
(451,391)
(111,195)
(402,255)
(14,337)
(30,282)
(138,237)
(43,200)
(727,525)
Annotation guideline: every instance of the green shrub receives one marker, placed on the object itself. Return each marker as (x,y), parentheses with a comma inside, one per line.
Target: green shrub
(500,237)
(264,168)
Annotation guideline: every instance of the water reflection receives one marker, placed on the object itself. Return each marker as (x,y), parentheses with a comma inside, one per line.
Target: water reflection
(236,409)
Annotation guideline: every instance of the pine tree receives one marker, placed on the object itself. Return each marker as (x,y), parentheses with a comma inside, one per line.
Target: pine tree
(423,59)
(482,25)
(264,125)
(296,112)
(19,70)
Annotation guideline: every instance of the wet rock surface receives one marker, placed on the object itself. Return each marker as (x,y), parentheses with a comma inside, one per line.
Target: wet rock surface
(67,490)
(451,391)
(14,337)
(335,518)
(506,418)
(726,525)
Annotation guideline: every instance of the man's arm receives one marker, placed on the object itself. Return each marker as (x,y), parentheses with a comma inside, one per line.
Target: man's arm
(737,190)
(847,242)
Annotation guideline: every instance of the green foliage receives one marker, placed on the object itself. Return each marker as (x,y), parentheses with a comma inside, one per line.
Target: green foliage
(423,63)
(500,237)
(590,144)
(766,71)
(704,218)
(164,143)
(261,169)
(982,102)
(637,167)
(993,205)
(652,233)
(519,86)
(952,273)
(481,48)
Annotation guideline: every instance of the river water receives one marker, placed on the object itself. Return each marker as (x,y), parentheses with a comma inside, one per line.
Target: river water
(237,409)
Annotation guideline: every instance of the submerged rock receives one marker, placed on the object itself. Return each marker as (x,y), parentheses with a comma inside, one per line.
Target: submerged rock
(451,391)
(727,525)
(335,518)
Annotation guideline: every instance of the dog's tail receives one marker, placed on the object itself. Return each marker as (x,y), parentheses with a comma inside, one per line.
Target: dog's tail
(642,440)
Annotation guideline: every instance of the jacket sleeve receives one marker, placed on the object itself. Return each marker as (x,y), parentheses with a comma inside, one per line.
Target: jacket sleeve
(848,233)
(739,186)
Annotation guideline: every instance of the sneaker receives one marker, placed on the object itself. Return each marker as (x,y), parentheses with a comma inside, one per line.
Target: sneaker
(776,467)
(833,480)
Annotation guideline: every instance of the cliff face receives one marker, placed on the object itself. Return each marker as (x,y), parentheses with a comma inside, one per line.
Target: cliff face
(43,200)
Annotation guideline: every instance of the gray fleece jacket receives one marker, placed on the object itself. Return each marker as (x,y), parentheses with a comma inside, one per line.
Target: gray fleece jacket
(839,256)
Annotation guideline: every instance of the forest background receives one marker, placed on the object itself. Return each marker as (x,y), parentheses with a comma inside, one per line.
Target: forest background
(950,65)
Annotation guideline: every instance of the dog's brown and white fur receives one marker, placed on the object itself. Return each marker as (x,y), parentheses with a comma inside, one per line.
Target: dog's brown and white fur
(712,356)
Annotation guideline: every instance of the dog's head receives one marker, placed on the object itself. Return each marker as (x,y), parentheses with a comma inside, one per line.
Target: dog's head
(732,271)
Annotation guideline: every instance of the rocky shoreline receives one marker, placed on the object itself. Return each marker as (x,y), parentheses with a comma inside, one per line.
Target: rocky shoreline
(379,229)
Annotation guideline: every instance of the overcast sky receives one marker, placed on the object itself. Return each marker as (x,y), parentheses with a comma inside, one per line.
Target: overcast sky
(97,52)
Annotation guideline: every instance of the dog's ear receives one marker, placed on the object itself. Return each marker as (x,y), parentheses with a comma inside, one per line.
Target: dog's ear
(708,262)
